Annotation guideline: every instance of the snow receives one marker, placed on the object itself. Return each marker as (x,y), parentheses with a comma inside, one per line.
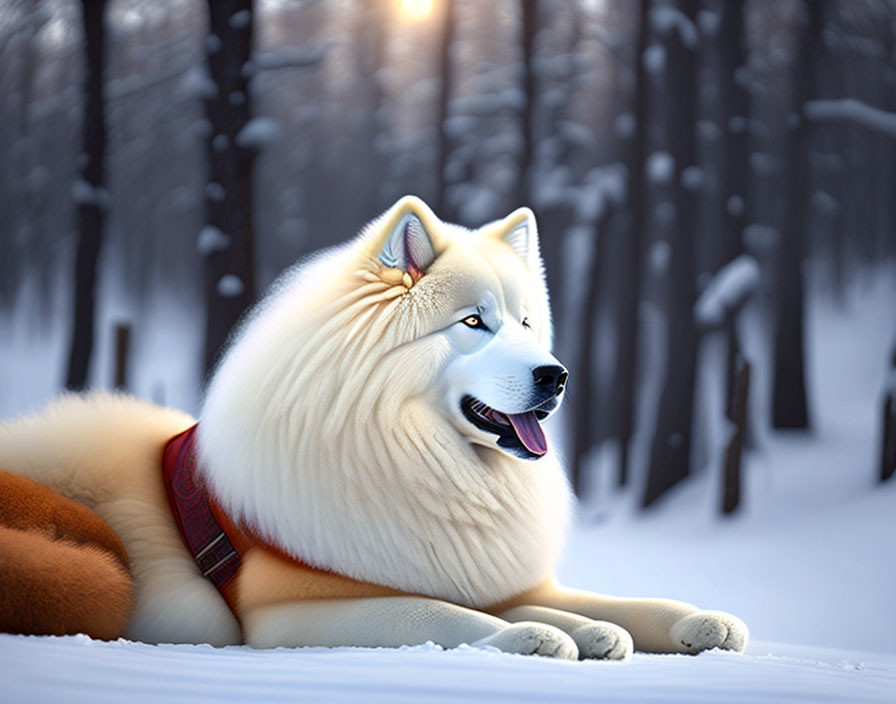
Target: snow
(735,281)
(654,58)
(212,43)
(42,669)
(258,133)
(230,286)
(807,564)
(215,191)
(196,83)
(666,18)
(660,166)
(84,193)
(709,22)
(211,239)
(693,178)
(660,254)
(240,20)
(624,124)
(286,57)
(761,238)
(601,187)
(854,111)
(735,205)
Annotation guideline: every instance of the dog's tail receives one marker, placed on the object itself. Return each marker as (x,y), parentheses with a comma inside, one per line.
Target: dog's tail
(63,570)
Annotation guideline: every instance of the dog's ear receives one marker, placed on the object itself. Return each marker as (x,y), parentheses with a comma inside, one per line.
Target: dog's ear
(520,231)
(408,245)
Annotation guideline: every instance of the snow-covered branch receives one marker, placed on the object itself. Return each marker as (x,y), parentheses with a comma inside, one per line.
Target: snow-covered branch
(727,292)
(286,57)
(852,110)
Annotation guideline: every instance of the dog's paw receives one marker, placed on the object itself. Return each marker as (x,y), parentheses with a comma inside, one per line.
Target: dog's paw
(530,638)
(710,629)
(602,640)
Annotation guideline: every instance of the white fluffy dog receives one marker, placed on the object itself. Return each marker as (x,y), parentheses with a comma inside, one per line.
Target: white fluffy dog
(374,429)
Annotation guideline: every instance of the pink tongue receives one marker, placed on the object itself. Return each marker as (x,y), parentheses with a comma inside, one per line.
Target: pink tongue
(529,432)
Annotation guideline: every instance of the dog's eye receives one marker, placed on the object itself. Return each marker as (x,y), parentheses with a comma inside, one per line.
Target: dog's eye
(474,321)
(526,324)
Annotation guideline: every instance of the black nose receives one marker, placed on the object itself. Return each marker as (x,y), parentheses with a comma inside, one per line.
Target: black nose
(550,377)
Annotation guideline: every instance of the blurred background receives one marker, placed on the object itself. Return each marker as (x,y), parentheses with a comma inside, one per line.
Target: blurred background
(714,183)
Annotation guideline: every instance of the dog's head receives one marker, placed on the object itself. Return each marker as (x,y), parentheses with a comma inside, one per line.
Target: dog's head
(476,313)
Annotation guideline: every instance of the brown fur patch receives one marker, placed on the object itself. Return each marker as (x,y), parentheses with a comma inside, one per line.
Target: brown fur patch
(62,568)
(30,506)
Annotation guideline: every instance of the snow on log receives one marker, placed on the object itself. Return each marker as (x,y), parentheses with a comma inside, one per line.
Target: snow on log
(230,286)
(211,239)
(286,57)
(852,110)
(666,18)
(258,133)
(727,291)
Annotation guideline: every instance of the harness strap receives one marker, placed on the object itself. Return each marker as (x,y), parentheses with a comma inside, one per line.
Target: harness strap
(213,540)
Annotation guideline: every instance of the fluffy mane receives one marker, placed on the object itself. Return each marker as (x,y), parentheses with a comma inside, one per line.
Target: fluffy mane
(321,430)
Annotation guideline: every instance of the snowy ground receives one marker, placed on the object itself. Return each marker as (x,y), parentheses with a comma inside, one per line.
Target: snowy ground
(809,565)
(80,670)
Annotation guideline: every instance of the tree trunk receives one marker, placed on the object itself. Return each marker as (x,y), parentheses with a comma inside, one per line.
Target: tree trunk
(734,200)
(736,412)
(888,446)
(91,195)
(370,58)
(586,406)
(229,256)
(671,447)
(529,16)
(789,404)
(446,81)
(630,256)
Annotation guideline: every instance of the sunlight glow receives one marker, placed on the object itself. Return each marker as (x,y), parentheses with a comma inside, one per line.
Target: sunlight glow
(418,9)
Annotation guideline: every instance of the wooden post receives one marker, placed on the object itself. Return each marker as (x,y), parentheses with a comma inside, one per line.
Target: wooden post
(737,414)
(888,446)
(122,346)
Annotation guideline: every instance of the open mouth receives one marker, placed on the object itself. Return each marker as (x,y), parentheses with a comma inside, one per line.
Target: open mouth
(519,433)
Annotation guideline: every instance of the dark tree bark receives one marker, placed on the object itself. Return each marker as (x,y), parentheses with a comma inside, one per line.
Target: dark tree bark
(230,263)
(122,353)
(736,412)
(789,404)
(734,200)
(631,255)
(446,81)
(529,27)
(671,447)
(888,445)
(734,100)
(586,406)
(370,58)
(91,195)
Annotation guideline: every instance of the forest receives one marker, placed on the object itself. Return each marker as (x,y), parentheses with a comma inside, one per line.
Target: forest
(700,169)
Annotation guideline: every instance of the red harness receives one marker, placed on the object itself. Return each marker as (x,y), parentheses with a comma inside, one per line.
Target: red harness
(214,541)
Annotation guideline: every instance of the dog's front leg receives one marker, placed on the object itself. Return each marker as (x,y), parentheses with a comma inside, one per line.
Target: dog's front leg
(395,621)
(656,625)
(595,639)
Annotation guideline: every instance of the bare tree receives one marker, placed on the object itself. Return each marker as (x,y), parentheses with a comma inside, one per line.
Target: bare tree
(670,450)
(228,240)
(631,253)
(888,429)
(90,194)
(789,405)
(734,200)
(529,26)
(446,82)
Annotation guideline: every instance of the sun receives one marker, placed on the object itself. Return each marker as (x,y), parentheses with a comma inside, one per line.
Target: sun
(417,9)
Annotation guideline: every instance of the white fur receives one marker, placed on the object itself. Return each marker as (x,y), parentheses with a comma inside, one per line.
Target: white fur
(327,425)
(333,426)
